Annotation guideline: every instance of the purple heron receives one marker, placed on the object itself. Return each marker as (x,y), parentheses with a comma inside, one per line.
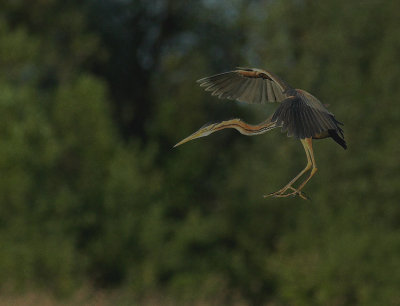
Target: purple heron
(299,114)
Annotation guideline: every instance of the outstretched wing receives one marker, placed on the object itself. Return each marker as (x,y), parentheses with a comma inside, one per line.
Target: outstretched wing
(250,85)
(303,116)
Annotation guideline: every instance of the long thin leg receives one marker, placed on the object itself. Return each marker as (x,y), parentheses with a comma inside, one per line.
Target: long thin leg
(310,162)
(314,164)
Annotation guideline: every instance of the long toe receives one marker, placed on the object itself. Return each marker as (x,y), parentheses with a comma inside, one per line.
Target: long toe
(279,193)
(302,195)
(282,193)
(299,193)
(275,194)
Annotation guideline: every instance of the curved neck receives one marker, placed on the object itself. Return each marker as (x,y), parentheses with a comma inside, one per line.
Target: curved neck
(245,128)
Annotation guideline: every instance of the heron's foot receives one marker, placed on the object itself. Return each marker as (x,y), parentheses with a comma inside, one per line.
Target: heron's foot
(282,193)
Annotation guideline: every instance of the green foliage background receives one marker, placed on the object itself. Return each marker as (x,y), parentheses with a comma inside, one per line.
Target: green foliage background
(93,95)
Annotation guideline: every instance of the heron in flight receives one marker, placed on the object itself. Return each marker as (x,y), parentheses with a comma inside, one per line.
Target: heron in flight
(300,114)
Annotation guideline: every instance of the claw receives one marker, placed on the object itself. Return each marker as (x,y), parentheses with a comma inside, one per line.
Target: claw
(303,195)
(306,197)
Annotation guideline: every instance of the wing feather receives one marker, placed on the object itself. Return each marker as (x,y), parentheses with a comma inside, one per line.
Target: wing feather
(249,85)
(245,93)
(300,119)
(252,90)
(264,95)
(259,91)
(270,91)
(230,89)
(239,90)
(278,93)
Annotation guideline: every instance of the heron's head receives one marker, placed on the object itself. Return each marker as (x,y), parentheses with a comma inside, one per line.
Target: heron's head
(202,132)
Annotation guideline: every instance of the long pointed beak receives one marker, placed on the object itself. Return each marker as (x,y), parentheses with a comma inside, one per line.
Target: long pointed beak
(205,131)
(189,138)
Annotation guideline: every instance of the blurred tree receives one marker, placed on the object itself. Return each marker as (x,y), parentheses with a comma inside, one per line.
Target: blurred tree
(95,93)
(141,35)
(56,144)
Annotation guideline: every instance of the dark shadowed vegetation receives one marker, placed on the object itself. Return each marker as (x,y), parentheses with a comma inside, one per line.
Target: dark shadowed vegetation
(93,95)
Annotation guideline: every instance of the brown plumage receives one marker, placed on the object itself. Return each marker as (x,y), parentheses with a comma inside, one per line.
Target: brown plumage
(299,114)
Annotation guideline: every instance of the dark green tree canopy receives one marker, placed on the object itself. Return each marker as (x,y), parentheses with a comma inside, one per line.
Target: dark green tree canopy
(93,95)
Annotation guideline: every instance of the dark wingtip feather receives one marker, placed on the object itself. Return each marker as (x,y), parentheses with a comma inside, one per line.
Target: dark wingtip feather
(338,139)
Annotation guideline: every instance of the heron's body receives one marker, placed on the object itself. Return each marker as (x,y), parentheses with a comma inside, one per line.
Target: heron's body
(299,114)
